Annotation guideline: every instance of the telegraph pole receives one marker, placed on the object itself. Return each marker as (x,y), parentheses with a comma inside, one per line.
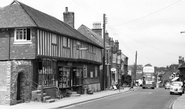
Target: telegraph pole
(104,74)
(135,67)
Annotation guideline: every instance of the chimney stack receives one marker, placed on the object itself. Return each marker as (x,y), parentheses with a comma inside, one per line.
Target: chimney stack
(97,28)
(69,17)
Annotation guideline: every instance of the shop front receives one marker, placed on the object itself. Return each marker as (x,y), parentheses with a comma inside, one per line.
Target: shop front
(70,78)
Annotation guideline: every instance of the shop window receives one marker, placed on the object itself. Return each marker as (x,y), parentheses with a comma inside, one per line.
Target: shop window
(64,77)
(47,72)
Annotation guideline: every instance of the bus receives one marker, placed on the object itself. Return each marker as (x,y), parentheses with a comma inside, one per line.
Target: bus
(148,74)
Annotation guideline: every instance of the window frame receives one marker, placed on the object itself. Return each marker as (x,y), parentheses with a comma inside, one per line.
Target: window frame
(21,40)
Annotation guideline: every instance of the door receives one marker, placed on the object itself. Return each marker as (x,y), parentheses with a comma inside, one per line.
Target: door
(20,87)
(76,75)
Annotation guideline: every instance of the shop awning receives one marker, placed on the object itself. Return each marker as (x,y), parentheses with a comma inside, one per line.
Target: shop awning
(174,79)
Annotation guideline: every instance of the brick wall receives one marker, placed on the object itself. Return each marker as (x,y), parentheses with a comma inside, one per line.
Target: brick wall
(4,44)
(17,51)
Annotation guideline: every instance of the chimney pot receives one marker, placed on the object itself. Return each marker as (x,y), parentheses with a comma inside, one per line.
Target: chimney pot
(66,9)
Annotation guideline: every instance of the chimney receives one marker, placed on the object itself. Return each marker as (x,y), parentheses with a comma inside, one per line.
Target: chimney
(116,46)
(69,18)
(107,37)
(181,60)
(97,28)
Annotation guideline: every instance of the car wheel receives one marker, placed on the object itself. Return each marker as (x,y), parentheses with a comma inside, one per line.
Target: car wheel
(171,93)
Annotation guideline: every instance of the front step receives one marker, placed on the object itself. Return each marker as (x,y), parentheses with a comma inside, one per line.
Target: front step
(72,94)
(36,95)
(50,101)
(75,95)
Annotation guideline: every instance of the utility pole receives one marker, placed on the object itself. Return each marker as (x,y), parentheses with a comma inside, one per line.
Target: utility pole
(135,67)
(104,74)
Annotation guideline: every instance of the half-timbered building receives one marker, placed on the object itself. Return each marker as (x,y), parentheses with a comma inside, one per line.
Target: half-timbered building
(38,51)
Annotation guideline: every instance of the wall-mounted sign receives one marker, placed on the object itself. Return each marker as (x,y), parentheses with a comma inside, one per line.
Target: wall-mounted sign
(113,69)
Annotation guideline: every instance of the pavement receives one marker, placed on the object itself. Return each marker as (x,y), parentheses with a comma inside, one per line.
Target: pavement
(69,101)
(64,102)
(179,103)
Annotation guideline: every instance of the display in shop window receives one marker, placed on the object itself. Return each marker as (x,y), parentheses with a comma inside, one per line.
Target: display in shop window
(64,77)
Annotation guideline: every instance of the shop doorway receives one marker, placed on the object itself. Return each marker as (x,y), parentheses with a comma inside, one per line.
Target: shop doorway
(76,76)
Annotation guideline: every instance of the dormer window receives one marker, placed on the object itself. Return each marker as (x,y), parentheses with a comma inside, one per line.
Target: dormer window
(22,35)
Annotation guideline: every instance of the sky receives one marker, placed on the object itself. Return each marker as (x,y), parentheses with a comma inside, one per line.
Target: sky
(150,27)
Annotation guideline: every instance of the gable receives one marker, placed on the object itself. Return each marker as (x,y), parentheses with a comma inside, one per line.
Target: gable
(14,16)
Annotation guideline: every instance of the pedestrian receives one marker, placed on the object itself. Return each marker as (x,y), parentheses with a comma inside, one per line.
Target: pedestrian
(132,86)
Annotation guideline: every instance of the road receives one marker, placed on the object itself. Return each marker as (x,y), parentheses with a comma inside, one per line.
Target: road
(158,98)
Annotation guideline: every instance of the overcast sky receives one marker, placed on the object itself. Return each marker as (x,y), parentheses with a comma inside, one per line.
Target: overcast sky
(150,27)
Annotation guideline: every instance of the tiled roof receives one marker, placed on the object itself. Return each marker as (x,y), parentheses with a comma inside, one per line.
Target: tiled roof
(182,66)
(92,35)
(18,14)
(13,16)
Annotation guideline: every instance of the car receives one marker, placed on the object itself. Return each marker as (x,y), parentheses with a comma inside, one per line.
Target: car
(176,87)
(167,85)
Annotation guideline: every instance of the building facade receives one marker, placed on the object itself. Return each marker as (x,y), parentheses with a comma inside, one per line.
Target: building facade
(38,50)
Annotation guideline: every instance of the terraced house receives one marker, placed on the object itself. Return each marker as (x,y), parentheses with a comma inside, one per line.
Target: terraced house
(38,51)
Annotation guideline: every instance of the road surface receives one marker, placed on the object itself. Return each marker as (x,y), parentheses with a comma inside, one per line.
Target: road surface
(158,98)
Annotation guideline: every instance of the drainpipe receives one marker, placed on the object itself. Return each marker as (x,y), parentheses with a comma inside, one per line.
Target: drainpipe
(9,34)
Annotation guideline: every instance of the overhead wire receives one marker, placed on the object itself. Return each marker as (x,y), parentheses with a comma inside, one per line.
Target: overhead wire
(91,10)
(146,44)
(150,13)
(83,5)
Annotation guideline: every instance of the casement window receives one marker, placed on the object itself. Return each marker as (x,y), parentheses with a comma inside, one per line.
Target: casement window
(90,48)
(66,42)
(22,35)
(54,39)
(94,49)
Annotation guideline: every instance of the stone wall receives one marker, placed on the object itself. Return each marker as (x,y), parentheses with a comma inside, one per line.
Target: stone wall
(5,77)
(9,71)
(25,69)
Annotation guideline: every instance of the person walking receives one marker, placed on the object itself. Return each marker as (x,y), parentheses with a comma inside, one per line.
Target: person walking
(132,86)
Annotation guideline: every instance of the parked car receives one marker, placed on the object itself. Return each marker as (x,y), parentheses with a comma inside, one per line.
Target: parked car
(176,87)
(167,85)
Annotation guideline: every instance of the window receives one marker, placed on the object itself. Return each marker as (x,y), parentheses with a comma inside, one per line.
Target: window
(47,72)
(94,49)
(54,39)
(91,74)
(85,71)
(22,35)
(96,71)
(90,48)
(66,42)
(64,77)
